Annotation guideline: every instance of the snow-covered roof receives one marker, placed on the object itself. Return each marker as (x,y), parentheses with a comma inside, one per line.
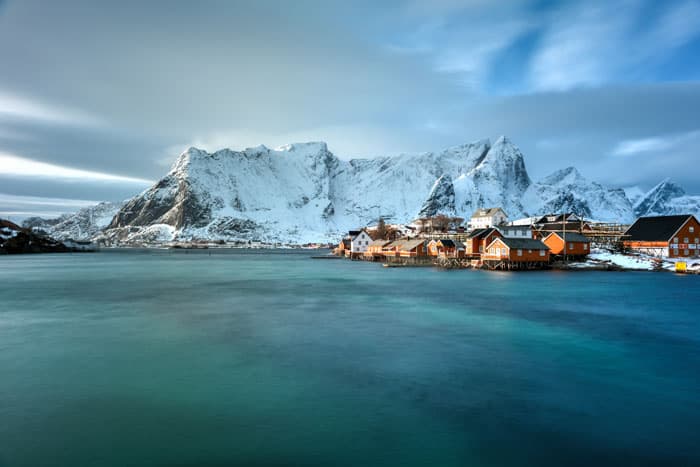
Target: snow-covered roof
(487,212)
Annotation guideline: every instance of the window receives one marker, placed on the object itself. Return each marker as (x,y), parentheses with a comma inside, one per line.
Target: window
(686,252)
(571,246)
(529,251)
(697,240)
(520,252)
(675,251)
(691,229)
(685,240)
(585,246)
(541,252)
(675,240)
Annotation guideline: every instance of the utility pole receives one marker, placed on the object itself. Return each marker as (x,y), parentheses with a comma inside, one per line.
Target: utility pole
(564,236)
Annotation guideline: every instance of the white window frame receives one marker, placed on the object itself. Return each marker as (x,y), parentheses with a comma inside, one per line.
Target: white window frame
(520,252)
(541,252)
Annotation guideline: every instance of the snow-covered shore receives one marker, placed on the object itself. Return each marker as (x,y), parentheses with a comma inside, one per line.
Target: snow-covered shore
(600,257)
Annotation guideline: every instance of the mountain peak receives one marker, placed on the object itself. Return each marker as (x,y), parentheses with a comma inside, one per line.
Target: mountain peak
(306,148)
(658,199)
(567,176)
(666,186)
(504,162)
(503,139)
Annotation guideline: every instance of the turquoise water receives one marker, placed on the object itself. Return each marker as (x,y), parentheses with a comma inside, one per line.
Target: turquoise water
(256,358)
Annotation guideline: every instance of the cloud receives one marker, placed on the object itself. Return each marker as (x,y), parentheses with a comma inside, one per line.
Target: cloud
(654,144)
(594,43)
(19,166)
(460,38)
(18,208)
(17,107)
(578,47)
(41,201)
(636,146)
(370,78)
(677,26)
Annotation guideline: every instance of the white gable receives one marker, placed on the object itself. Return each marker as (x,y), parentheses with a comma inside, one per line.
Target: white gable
(360,242)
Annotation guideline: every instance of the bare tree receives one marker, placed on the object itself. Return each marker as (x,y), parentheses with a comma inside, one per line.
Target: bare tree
(381,230)
(441,222)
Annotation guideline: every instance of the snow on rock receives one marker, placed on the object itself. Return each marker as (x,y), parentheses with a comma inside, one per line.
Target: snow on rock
(441,199)
(666,198)
(623,261)
(302,193)
(634,193)
(82,225)
(641,262)
(297,193)
(567,190)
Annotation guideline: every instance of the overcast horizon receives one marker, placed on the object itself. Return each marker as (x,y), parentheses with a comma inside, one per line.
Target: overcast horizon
(97,99)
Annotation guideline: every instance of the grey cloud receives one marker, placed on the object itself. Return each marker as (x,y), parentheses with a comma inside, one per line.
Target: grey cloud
(160,76)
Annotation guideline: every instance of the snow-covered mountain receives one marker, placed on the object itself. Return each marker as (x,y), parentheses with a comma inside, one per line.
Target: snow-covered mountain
(666,198)
(441,199)
(82,225)
(303,193)
(567,190)
(634,193)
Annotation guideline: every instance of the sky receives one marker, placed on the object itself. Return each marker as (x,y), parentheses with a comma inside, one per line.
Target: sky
(97,98)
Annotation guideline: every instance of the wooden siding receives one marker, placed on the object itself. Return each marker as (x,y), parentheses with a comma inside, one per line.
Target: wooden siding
(500,251)
(684,244)
(556,246)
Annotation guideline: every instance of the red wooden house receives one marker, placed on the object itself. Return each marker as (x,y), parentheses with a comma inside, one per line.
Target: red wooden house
(670,236)
(568,244)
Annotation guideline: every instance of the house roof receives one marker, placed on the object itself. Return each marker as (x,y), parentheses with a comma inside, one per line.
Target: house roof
(459,245)
(354,233)
(658,228)
(481,233)
(557,218)
(446,242)
(571,237)
(379,242)
(395,243)
(523,243)
(409,245)
(487,212)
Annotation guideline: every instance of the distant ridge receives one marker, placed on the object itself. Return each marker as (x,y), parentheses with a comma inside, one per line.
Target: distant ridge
(301,192)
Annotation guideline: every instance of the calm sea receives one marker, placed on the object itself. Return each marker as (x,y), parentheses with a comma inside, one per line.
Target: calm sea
(260,358)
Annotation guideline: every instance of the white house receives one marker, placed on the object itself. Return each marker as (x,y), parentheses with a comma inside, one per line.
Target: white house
(487,217)
(359,241)
(516,231)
